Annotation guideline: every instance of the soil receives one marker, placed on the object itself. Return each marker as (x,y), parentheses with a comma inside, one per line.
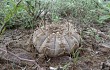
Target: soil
(94,53)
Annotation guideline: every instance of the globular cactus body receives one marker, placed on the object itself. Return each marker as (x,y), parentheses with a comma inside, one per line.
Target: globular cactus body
(56,40)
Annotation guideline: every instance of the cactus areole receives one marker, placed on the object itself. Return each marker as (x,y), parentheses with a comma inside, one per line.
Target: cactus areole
(56,39)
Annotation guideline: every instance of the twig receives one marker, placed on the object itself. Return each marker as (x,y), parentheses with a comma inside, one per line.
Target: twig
(22,59)
(3,26)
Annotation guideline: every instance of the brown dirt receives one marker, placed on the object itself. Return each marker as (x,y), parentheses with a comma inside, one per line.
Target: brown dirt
(93,55)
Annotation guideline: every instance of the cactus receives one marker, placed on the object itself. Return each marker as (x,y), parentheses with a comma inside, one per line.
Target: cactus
(56,39)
